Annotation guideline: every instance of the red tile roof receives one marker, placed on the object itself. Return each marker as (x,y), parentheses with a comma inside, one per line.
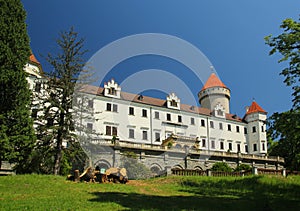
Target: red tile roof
(213,81)
(94,90)
(33,59)
(254,108)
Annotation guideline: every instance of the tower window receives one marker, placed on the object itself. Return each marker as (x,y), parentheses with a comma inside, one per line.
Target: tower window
(221,145)
(245,130)
(115,108)
(262,128)
(263,147)
(173,103)
(38,87)
(89,126)
(108,106)
(211,124)
(112,91)
(237,129)
(253,129)
(213,145)
(246,148)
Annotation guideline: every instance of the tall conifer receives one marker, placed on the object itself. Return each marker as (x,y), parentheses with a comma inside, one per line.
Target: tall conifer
(17,136)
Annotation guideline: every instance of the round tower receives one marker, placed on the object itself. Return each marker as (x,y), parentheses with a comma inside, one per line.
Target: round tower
(214,92)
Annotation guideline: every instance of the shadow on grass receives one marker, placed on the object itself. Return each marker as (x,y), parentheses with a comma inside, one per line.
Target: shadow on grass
(222,194)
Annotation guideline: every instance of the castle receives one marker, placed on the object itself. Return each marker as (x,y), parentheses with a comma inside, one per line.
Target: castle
(163,132)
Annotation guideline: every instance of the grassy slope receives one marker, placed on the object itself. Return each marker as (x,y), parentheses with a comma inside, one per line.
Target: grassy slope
(37,192)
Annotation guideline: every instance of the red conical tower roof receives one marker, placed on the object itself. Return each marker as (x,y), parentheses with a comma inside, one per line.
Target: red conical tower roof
(255,108)
(213,81)
(33,59)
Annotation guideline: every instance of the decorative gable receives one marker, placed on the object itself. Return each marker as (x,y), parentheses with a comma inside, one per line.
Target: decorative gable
(173,101)
(219,111)
(112,89)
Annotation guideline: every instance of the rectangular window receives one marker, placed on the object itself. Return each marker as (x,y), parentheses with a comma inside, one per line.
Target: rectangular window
(246,148)
(238,147)
(263,147)
(89,126)
(245,130)
(37,87)
(156,115)
(108,130)
(108,106)
(221,145)
(254,147)
(253,129)
(131,133)
(192,121)
(262,128)
(115,108)
(131,111)
(230,146)
(168,117)
(90,103)
(34,113)
(202,123)
(229,127)
(157,137)
(144,113)
(237,129)
(179,118)
(114,131)
(221,126)
(203,143)
(213,145)
(211,124)
(145,135)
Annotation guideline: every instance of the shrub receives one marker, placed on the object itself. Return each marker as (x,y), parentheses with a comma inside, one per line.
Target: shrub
(221,166)
(243,167)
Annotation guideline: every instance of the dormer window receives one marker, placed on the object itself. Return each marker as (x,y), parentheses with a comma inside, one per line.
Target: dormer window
(173,101)
(112,89)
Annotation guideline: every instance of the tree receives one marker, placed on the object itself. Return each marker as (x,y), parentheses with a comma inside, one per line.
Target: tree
(17,136)
(284,128)
(221,166)
(288,45)
(58,127)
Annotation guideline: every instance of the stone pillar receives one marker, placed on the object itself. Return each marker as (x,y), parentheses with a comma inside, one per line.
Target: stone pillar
(284,172)
(168,170)
(117,158)
(254,170)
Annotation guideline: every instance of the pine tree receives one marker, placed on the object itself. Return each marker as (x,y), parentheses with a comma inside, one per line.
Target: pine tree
(58,106)
(17,136)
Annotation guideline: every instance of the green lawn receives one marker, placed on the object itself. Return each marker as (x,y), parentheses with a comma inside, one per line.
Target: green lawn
(41,192)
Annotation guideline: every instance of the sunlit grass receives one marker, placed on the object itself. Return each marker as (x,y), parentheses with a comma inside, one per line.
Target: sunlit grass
(44,192)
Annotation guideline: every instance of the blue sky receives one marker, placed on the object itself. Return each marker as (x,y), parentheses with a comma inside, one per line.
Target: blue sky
(230,34)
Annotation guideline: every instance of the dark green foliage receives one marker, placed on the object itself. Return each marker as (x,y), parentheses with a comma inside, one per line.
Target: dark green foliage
(221,166)
(284,131)
(17,136)
(285,127)
(243,167)
(288,45)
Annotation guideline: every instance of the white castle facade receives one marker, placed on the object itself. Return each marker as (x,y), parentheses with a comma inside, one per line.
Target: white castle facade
(133,118)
